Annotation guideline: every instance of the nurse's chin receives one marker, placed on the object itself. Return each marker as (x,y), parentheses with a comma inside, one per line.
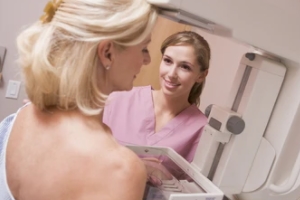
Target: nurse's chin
(170,92)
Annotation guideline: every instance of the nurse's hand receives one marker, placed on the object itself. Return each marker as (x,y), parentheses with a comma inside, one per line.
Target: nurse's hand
(156,171)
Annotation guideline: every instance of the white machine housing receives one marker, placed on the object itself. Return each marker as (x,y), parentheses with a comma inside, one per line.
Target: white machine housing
(269,25)
(263,162)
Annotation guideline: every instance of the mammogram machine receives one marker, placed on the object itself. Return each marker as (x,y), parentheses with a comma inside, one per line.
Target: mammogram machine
(250,148)
(186,183)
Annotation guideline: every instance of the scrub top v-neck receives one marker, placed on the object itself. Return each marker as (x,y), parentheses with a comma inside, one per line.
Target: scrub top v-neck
(131,117)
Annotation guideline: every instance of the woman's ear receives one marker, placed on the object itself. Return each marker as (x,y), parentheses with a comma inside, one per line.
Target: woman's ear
(202,76)
(106,53)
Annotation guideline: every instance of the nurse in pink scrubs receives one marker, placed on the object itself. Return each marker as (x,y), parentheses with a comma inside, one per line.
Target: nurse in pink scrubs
(169,116)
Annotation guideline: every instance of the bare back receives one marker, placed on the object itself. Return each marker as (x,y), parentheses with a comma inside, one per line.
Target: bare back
(65,155)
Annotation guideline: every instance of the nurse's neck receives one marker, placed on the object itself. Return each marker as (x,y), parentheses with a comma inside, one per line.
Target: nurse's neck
(172,105)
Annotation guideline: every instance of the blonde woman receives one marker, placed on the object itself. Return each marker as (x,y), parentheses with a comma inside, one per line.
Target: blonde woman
(56,147)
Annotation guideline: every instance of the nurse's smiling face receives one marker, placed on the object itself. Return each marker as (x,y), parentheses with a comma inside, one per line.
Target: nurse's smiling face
(184,67)
(179,71)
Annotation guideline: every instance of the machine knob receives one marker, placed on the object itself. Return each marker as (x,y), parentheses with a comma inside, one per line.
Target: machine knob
(235,125)
(207,110)
(250,56)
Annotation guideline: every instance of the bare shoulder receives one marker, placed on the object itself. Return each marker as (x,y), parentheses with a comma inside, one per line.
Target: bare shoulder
(106,170)
(120,174)
(129,161)
(76,162)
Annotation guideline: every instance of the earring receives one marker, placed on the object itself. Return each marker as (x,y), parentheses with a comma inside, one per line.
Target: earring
(107,67)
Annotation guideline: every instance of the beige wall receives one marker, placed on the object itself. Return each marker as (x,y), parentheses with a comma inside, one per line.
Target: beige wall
(13,16)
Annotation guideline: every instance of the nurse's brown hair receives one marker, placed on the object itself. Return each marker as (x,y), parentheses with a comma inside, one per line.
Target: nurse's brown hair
(202,51)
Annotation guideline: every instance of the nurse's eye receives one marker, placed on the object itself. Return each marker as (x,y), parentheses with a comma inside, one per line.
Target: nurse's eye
(167,61)
(186,67)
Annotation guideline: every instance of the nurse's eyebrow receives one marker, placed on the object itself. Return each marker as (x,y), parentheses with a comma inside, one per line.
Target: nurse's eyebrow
(166,56)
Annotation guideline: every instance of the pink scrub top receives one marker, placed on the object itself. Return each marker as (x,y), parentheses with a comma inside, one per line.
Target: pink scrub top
(131,117)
